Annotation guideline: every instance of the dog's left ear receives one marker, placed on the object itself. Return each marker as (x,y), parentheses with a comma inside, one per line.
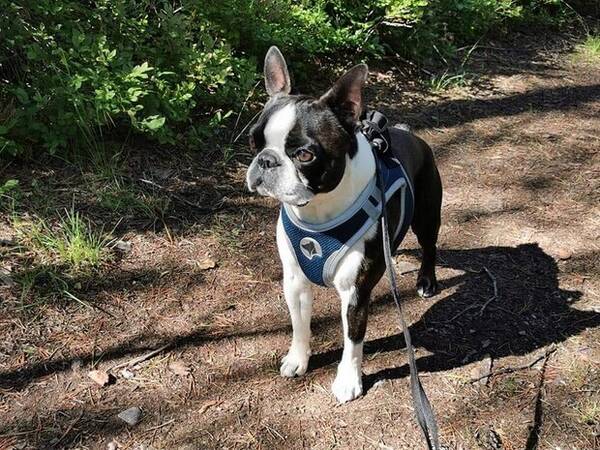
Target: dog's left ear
(277,78)
(345,96)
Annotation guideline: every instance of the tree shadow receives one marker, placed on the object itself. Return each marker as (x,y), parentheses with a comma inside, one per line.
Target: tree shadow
(456,112)
(531,311)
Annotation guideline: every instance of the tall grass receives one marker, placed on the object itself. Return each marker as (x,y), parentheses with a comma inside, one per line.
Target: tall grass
(71,242)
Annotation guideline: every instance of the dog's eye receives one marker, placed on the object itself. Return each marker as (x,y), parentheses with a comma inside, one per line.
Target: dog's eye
(304,155)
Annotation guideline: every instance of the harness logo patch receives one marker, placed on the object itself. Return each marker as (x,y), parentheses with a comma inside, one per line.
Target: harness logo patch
(310,248)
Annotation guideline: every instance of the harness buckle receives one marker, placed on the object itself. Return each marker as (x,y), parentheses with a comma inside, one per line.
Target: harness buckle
(375,128)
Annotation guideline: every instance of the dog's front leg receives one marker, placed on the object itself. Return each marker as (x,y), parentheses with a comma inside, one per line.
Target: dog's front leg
(348,381)
(298,296)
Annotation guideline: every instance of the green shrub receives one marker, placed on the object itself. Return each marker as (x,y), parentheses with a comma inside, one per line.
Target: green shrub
(73,68)
(72,71)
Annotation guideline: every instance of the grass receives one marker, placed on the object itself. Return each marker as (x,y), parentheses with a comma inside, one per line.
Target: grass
(9,192)
(507,387)
(589,49)
(122,198)
(71,242)
(579,374)
(44,279)
(447,80)
(589,413)
(114,190)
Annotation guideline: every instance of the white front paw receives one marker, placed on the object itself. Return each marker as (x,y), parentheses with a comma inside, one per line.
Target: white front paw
(294,364)
(347,384)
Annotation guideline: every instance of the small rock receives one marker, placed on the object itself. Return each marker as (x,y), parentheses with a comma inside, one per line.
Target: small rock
(124,246)
(100,377)
(564,253)
(6,278)
(131,416)
(112,445)
(76,365)
(127,374)
(206,263)
(179,368)
(523,332)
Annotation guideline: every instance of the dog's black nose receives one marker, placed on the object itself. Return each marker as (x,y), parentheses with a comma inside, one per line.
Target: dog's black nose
(267,160)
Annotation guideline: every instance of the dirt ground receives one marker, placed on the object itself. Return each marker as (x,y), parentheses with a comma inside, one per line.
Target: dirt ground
(518,151)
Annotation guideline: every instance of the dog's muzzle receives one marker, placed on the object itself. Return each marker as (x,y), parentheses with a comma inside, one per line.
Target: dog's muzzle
(267,160)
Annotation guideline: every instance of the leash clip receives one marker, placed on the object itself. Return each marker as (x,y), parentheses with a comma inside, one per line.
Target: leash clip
(374,127)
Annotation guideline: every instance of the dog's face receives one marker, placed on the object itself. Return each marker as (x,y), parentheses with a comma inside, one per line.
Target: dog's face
(303,143)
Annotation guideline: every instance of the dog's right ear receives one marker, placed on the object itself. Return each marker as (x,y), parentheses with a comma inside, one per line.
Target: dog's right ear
(277,78)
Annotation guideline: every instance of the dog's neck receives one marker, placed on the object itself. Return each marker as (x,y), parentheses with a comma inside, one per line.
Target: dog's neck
(358,172)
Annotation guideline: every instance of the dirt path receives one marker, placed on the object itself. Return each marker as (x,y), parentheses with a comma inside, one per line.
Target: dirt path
(519,156)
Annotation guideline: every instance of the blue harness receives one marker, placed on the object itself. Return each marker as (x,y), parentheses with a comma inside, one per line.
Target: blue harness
(320,247)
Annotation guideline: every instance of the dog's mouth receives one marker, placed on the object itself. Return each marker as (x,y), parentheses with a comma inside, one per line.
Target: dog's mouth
(300,205)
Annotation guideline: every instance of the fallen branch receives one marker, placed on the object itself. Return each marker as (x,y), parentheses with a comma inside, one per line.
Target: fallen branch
(139,359)
(509,369)
(493,297)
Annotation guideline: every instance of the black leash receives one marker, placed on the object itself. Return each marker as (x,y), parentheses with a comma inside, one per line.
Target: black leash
(374,127)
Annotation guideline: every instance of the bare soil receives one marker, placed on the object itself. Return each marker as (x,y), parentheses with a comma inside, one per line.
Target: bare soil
(518,151)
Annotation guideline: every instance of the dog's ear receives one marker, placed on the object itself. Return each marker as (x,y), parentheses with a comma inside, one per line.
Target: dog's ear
(345,96)
(277,78)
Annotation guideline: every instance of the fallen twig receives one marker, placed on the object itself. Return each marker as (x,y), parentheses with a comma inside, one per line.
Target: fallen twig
(168,422)
(493,373)
(534,432)
(457,315)
(89,305)
(69,428)
(142,358)
(493,297)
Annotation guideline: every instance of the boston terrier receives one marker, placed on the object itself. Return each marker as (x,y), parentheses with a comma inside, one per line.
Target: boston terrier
(313,158)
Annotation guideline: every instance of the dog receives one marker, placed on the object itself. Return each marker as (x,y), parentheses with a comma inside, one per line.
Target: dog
(311,156)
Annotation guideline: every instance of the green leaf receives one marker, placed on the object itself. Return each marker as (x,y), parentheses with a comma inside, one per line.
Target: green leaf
(21,95)
(153,122)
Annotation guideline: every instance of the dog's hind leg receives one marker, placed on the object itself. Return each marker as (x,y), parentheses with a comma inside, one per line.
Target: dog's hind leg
(298,296)
(426,223)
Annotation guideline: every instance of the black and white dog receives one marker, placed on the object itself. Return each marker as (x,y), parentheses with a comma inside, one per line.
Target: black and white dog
(313,159)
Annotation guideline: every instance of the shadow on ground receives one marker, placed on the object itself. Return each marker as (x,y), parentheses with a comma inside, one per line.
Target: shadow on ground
(531,311)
